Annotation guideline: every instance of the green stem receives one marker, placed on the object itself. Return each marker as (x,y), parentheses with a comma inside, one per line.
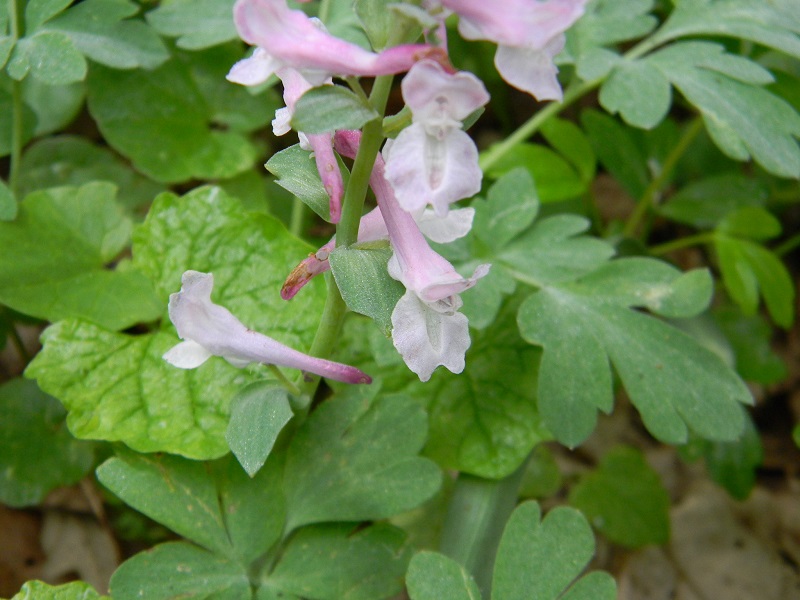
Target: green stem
(476,517)
(291,387)
(297,219)
(692,240)
(650,194)
(789,245)
(324,10)
(17,31)
(495,153)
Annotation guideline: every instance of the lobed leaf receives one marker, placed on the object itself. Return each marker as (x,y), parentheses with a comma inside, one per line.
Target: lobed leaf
(39,590)
(624,499)
(55,257)
(340,562)
(38,454)
(434,576)
(542,559)
(197,24)
(356,461)
(328,108)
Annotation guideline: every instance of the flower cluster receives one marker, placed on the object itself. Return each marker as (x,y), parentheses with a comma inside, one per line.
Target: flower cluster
(430,165)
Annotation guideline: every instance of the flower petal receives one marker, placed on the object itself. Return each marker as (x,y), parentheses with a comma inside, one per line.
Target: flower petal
(187,355)
(426,338)
(443,230)
(531,70)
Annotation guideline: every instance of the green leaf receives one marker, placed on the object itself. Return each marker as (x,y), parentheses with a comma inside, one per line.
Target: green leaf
(338,562)
(217,506)
(705,202)
(750,338)
(433,576)
(117,387)
(640,94)
(297,172)
(542,559)
(750,222)
(232,106)
(765,23)
(99,29)
(608,22)
(179,570)
(744,120)
(566,137)
(38,12)
(617,151)
(511,206)
(196,23)
(8,203)
(328,108)
(748,268)
(38,454)
(555,177)
(542,477)
(553,250)
(586,326)
(55,257)
(39,590)
(139,111)
(355,461)
(377,20)
(55,106)
(732,465)
(258,414)
(364,283)
(71,160)
(51,57)
(624,499)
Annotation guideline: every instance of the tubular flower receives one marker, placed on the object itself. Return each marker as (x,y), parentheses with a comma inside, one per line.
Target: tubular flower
(433,161)
(211,330)
(256,70)
(289,38)
(427,329)
(529,34)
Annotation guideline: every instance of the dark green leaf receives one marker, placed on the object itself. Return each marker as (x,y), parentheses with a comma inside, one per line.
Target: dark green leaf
(99,29)
(608,22)
(179,570)
(750,222)
(38,453)
(328,108)
(258,414)
(71,160)
(196,23)
(555,178)
(705,202)
(750,338)
(38,12)
(511,206)
(219,508)
(542,477)
(55,256)
(336,562)
(542,559)
(8,203)
(616,151)
(433,576)
(364,283)
(356,461)
(566,137)
(55,106)
(160,121)
(625,499)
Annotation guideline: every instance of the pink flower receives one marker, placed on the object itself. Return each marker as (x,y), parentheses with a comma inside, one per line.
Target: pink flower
(427,329)
(433,161)
(289,38)
(529,34)
(211,330)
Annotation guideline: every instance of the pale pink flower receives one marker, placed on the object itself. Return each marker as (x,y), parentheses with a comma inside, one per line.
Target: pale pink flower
(529,34)
(209,329)
(433,161)
(289,38)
